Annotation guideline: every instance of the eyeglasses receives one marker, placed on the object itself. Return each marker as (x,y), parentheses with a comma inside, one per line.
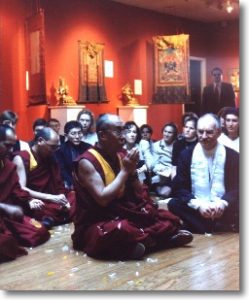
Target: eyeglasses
(7,145)
(53,147)
(75,133)
(117,131)
(9,123)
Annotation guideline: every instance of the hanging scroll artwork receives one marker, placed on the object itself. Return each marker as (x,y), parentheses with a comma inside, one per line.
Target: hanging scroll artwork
(36,58)
(91,73)
(171,67)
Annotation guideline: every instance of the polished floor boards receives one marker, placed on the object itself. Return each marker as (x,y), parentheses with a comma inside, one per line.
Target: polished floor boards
(208,263)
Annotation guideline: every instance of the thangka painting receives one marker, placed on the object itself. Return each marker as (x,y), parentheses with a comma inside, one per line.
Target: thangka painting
(171,69)
(91,73)
(36,59)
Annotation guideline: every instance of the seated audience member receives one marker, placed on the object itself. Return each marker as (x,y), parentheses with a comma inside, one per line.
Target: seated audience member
(206,187)
(38,124)
(185,117)
(132,140)
(39,174)
(146,132)
(86,119)
(162,169)
(8,117)
(188,140)
(17,229)
(146,145)
(230,136)
(70,150)
(221,114)
(56,125)
(115,218)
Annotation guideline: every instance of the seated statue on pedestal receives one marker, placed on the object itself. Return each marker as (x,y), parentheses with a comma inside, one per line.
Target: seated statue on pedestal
(62,91)
(128,95)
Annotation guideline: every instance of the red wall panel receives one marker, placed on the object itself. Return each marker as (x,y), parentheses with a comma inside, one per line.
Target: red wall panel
(127,34)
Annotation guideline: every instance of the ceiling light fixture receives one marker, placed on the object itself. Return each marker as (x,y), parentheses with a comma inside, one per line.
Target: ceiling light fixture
(228,5)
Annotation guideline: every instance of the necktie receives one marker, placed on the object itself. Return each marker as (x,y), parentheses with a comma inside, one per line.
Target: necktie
(216,93)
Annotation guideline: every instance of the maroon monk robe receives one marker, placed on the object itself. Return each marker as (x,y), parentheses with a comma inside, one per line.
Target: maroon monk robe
(46,178)
(9,247)
(27,232)
(112,231)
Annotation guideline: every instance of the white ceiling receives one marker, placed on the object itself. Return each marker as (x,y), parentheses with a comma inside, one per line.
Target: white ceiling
(199,10)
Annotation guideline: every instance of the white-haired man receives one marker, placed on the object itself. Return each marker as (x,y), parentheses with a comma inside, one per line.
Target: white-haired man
(206,187)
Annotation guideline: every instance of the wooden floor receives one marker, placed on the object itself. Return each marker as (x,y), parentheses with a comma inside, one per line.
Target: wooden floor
(208,263)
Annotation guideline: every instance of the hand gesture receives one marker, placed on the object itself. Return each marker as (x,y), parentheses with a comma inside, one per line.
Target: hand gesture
(36,204)
(60,199)
(206,210)
(130,160)
(219,209)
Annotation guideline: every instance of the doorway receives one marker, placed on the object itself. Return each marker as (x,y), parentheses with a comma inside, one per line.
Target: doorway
(197,83)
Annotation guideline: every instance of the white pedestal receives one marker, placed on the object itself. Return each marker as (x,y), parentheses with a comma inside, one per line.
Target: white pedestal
(138,114)
(65,113)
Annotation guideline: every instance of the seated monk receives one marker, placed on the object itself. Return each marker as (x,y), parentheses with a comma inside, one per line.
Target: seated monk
(9,246)
(115,218)
(15,228)
(39,174)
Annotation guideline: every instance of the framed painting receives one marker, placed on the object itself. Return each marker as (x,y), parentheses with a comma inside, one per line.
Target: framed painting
(171,66)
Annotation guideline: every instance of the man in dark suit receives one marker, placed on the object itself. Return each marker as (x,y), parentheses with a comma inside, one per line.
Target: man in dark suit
(206,188)
(218,94)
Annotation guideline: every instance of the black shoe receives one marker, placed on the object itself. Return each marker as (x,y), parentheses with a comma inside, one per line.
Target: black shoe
(48,222)
(183,237)
(137,252)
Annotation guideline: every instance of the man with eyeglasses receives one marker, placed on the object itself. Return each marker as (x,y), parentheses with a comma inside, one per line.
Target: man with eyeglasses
(217,94)
(70,150)
(115,218)
(206,187)
(39,174)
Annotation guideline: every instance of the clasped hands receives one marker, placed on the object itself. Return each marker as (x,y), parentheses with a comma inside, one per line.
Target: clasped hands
(212,210)
(130,160)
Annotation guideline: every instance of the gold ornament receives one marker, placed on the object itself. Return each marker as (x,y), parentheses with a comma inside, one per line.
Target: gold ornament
(62,91)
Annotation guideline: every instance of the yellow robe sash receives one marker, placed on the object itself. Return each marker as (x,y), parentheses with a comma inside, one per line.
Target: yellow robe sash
(108,171)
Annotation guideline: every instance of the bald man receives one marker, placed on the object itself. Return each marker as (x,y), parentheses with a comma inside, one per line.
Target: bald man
(206,187)
(115,218)
(16,228)
(39,174)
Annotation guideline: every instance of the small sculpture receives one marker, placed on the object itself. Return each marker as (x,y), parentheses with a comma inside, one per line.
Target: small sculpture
(62,91)
(128,95)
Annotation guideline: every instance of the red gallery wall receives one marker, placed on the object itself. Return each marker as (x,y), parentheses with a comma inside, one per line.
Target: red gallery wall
(127,34)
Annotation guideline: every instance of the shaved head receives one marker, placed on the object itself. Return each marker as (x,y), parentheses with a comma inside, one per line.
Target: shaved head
(106,120)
